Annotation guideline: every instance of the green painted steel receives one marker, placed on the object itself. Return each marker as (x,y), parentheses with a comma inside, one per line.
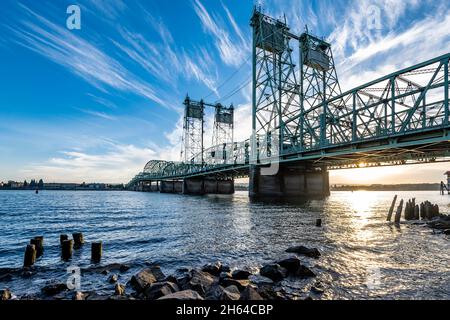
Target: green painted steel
(300,114)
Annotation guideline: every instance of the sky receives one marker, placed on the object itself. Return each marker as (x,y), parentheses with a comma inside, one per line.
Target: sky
(96,104)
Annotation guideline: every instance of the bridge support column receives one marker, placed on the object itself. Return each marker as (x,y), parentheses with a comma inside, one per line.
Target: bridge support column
(291,182)
(202,186)
(193,186)
(171,186)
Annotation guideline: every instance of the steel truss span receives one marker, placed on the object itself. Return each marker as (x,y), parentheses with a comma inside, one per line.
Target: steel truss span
(300,113)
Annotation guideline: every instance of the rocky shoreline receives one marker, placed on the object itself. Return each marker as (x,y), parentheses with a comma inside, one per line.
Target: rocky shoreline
(213,281)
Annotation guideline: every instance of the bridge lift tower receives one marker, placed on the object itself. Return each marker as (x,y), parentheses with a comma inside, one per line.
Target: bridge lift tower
(193,149)
(291,75)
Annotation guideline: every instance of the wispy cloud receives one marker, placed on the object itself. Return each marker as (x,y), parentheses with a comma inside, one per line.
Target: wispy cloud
(98,114)
(80,57)
(233,50)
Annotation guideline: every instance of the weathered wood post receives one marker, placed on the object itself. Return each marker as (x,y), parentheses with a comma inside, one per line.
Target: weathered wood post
(96,251)
(78,239)
(391,209)
(30,255)
(407,207)
(66,249)
(427,210)
(39,245)
(398,214)
(62,238)
(417,212)
(318,222)
(422,211)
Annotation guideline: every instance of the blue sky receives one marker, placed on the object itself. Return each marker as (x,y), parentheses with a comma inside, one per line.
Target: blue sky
(95,104)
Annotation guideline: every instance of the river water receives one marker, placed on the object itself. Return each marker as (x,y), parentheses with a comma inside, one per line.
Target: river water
(363,256)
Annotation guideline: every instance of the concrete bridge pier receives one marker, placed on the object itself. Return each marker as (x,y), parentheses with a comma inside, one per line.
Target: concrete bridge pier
(291,182)
(171,186)
(200,186)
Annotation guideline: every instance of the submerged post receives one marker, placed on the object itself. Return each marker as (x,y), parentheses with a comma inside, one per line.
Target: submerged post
(66,249)
(78,239)
(391,209)
(96,251)
(39,245)
(30,256)
(398,214)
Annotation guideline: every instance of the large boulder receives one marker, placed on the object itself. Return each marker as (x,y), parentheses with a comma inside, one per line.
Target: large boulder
(274,272)
(198,281)
(160,289)
(143,279)
(309,252)
(291,264)
(241,274)
(250,294)
(213,268)
(183,295)
(231,293)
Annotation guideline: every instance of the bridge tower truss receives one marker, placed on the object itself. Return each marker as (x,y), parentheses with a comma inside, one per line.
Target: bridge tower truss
(193,130)
(222,139)
(291,75)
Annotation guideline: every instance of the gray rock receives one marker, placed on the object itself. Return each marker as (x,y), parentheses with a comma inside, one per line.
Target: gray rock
(160,289)
(225,275)
(231,293)
(213,268)
(241,274)
(183,295)
(198,281)
(54,288)
(309,252)
(240,284)
(273,271)
(113,278)
(119,289)
(146,277)
(291,264)
(304,272)
(260,280)
(5,294)
(250,294)
(215,292)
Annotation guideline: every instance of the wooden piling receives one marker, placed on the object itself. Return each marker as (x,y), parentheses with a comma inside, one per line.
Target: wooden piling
(62,238)
(398,214)
(66,249)
(407,210)
(39,245)
(391,209)
(30,256)
(318,222)
(96,251)
(78,239)
(417,212)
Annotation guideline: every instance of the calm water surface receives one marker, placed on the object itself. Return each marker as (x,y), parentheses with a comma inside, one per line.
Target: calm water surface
(363,256)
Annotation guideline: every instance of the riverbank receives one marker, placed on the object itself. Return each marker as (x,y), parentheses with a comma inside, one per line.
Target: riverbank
(214,281)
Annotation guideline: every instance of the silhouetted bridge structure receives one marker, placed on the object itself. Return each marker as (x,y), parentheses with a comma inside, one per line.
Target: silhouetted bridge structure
(303,125)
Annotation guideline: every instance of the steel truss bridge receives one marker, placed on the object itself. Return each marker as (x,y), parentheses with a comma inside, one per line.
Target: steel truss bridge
(301,115)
